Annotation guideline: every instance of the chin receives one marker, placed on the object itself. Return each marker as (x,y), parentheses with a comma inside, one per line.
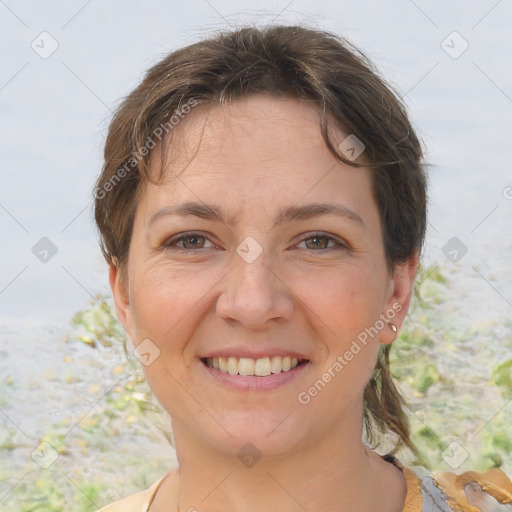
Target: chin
(271,433)
(248,433)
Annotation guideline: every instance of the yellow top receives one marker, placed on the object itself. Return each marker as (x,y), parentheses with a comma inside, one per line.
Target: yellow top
(471,491)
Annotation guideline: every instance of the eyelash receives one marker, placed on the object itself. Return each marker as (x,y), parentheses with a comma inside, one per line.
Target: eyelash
(168,244)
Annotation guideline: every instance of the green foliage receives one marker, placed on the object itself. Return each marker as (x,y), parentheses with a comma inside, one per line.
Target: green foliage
(421,363)
(124,408)
(430,438)
(502,377)
(98,324)
(434,384)
(426,377)
(51,491)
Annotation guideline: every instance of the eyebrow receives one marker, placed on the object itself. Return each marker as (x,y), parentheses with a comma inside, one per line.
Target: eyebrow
(212,212)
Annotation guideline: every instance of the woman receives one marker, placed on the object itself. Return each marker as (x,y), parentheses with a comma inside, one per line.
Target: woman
(262,208)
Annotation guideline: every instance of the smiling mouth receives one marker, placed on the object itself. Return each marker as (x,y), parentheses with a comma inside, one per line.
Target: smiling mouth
(262,367)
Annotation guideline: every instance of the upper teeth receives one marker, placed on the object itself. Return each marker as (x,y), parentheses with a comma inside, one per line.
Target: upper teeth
(246,366)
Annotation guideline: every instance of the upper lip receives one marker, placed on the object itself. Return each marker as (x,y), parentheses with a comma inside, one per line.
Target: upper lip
(253,354)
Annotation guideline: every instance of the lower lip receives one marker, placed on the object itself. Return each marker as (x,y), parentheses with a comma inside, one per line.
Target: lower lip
(253,383)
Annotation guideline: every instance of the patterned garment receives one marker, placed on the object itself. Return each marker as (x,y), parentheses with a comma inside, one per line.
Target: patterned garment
(471,491)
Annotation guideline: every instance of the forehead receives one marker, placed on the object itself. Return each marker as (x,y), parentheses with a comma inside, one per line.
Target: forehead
(274,126)
(259,126)
(260,145)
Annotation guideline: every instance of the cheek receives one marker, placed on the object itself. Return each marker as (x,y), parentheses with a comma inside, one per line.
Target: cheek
(346,307)
(344,300)
(166,302)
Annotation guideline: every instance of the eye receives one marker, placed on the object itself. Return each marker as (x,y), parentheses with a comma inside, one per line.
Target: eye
(186,242)
(320,241)
(190,242)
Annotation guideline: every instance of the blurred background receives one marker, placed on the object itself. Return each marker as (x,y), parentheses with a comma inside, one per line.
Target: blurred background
(77,423)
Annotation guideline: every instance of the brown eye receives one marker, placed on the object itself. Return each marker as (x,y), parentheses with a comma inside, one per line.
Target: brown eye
(192,241)
(321,242)
(187,243)
(318,242)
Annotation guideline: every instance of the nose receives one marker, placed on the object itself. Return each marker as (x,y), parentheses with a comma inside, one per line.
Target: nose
(254,294)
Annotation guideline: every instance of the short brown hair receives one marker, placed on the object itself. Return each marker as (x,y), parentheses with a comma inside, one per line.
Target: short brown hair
(291,62)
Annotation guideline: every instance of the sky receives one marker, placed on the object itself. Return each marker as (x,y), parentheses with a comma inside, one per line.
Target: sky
(65,65)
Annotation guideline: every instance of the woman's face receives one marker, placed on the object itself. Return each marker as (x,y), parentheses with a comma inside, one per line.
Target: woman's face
(259,251)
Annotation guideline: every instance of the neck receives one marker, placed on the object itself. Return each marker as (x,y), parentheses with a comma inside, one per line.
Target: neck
(336,473)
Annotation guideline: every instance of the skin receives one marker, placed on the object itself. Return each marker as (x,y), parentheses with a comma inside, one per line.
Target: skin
(253,158)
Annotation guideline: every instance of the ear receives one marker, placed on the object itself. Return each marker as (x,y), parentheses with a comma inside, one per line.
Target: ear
(397,304)
(121,294)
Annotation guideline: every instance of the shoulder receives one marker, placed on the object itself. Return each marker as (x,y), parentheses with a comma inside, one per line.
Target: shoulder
(445,491)
(474,491)
(138,502)
(470,491)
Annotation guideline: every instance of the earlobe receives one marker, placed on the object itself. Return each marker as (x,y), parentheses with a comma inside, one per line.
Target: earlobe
(399,300)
